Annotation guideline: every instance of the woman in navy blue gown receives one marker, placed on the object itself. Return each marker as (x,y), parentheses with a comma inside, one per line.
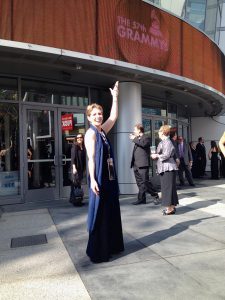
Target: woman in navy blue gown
(104,220)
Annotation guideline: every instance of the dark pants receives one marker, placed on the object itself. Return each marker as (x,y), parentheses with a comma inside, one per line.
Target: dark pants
(184,168)
(143,183)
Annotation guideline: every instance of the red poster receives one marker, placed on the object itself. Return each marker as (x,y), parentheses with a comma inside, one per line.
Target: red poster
(67,122)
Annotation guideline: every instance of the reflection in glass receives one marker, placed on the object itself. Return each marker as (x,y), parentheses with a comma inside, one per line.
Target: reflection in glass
(153,107)
(172,110)
(68,138)
(158,124)
(46,92)
(173,125)
(40,149)
(9,149)
(8,89)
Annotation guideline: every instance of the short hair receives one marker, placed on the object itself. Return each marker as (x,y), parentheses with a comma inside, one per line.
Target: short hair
(91,107)
(140,127)
(165,129)
(200,139)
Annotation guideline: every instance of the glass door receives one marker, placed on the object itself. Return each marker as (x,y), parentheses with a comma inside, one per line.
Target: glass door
(41,156)
(49,134)
(71,123)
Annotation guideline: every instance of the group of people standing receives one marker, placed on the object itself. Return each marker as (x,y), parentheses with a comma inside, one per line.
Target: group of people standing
(215,155)
(173,155)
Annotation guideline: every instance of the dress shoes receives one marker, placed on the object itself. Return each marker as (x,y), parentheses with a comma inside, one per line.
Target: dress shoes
(139,202)
(167,213)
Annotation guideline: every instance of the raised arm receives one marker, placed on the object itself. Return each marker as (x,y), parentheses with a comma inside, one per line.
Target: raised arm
(221,143)
(108,124)
(90,140)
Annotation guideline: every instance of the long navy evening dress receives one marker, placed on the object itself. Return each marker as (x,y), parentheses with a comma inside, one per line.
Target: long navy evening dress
(106,238)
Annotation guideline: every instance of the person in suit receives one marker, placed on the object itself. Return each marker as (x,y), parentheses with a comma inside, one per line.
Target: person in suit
(186,161)
(194,170)
(201,157)
(173,138)
(140,163)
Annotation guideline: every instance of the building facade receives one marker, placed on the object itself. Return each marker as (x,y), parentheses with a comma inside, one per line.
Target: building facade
(206,15)
(59,56)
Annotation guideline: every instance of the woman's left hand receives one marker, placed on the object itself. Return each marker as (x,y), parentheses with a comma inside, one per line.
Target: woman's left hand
(115,90)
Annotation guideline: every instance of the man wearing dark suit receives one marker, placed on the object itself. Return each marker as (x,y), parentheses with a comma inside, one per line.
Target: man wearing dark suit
(186,161)
(200,157)
(140,163)
(173,138)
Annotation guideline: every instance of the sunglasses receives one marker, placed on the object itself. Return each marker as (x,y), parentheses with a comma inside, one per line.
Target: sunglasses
(79,137)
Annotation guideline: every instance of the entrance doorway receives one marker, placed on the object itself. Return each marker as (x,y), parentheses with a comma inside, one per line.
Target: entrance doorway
(48,137)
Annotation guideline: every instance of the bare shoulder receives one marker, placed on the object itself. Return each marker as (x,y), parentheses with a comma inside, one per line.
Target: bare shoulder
(90,132)
(89,135)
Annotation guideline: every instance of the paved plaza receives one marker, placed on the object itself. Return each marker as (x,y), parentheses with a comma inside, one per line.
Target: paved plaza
(180,256)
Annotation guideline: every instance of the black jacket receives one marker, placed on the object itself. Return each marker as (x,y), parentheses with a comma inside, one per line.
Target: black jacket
(78,157)
(141,152)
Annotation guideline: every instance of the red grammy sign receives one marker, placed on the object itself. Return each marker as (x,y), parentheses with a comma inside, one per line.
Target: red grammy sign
(142,35)
(67,122)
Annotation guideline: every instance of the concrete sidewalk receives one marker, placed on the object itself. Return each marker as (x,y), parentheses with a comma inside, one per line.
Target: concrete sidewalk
(166,257)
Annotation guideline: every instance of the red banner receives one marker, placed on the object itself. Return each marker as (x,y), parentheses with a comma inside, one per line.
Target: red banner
(67,122)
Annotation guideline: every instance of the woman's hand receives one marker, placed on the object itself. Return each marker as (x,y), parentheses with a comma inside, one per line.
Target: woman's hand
(132,136)
(94,187)
(115,90)
(155,156)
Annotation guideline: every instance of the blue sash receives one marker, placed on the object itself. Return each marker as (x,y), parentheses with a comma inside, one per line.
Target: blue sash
(93,198)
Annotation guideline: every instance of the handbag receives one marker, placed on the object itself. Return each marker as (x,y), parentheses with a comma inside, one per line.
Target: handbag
(76,195)
(78,192)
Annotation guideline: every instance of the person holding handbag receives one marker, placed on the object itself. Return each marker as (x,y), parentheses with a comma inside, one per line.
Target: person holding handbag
(78,164)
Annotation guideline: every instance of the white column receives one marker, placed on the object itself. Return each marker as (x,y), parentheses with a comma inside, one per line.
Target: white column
(130,113)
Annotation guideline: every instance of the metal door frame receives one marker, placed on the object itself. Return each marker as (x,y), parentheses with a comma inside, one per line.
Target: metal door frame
(64,191)
(42,194)
(58,191)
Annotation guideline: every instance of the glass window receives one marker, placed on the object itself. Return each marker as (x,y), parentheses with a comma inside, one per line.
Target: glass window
(147,126)
(223,16)
(8,89)
(154,108)
(102,97)
(222,40)
(9,149)
(173,124)
(183,114)
(45,92)
(172,110)
(40,149)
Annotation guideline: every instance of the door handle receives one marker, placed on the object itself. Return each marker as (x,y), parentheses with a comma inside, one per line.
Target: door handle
(63,160)
(54,161)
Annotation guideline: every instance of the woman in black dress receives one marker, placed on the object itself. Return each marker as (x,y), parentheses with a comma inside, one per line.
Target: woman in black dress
(104,220)
(78,164)
(213,156)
